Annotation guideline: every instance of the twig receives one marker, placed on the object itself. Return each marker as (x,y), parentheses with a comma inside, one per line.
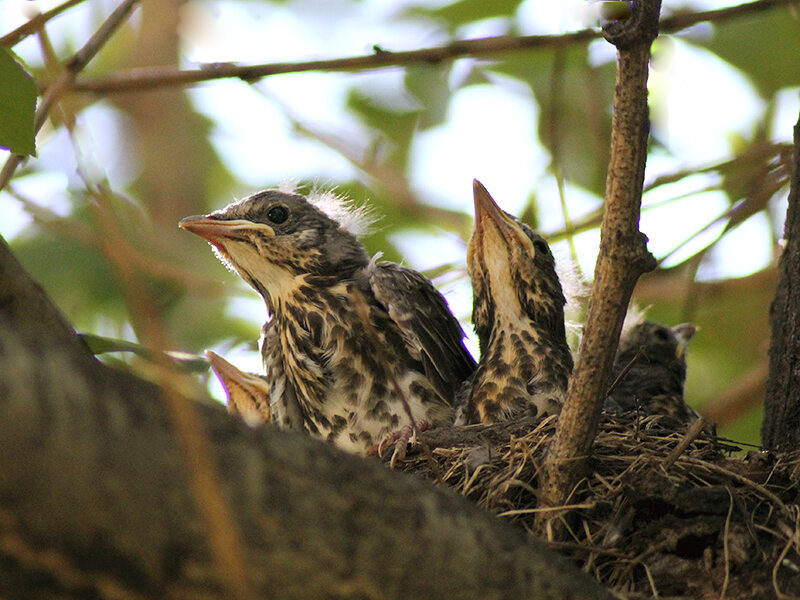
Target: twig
(148,78)
(778,593)
(760,489)
(687,439)
(203,478)
(725,550)
(540,509)
(72,67)
(625,370)
(623,256)
(20,33)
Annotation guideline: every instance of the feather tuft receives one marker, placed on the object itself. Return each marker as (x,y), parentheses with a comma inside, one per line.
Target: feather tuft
(353,217)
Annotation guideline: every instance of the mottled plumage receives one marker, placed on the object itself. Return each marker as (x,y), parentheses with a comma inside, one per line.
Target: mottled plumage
(345,331)
(248,393)
(655,358)
(518,314)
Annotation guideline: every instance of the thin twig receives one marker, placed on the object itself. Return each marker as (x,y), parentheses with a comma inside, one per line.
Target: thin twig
(777,502)
(20,33)
(687,439)
(224,538)
(71,69)
(725,550)
(625,370)
(148,78)
(540,509)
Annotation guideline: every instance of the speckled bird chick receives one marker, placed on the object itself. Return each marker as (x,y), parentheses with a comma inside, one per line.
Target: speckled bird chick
(653,383)
(518,313)
(348,337)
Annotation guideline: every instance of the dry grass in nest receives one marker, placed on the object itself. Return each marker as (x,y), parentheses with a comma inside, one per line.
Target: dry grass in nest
(661,515)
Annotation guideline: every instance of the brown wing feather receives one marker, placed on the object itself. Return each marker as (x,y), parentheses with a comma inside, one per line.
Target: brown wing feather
(428,326)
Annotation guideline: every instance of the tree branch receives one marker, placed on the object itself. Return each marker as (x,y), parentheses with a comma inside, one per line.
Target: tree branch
(35,24)
(782,407)
(64,82)
(149,78)
(622,259)
(95,497)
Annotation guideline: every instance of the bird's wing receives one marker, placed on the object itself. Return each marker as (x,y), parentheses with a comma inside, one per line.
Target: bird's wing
(429,328)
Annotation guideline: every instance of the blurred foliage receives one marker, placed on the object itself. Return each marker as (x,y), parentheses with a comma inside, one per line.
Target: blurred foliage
(115,262)
(17,104)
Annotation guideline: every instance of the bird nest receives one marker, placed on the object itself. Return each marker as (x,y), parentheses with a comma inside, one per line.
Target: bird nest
(664,513)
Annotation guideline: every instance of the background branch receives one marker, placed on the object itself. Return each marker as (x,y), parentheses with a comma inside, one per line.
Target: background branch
(147,78)
(72,67)
(35,24)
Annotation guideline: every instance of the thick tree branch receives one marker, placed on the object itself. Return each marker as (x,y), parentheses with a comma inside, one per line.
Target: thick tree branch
(148,78)
(782,405)
(622,259)
(95,500)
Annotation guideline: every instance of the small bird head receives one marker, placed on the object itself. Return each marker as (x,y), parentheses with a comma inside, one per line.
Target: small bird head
(248,393)
(273,239)
(512,270)
(656,342)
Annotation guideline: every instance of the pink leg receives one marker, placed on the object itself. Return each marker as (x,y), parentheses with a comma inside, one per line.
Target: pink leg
(400,439)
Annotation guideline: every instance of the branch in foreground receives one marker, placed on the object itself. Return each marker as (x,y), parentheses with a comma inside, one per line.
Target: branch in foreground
(95,502)
(149,78)
(623,257)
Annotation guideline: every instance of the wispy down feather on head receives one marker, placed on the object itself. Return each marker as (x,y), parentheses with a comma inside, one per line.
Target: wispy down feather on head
(633,317)
(576,292)
(353,217)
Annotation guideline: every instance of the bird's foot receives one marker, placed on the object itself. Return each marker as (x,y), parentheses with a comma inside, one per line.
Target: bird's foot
(400,440)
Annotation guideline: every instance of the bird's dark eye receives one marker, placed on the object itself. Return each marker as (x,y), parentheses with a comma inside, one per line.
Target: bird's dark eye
(541,246)
(662,335)
(278,214)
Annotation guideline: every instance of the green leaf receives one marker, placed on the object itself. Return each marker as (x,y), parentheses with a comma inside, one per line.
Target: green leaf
(397,126)
(17,105)
(469,11)
(765,46)
(430,85)
(575,101)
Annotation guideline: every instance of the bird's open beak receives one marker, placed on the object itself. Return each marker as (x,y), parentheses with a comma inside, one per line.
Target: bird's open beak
(684,332)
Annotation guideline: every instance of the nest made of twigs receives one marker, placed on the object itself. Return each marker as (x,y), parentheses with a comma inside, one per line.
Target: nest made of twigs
(661,514)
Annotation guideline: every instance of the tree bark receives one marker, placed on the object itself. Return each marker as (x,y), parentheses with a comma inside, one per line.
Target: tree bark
(623,257)
(781,428)
(94,498)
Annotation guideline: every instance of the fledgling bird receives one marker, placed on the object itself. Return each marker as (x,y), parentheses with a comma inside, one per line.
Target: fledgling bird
(655,358)
(349,340)
(518,314)
(248,393)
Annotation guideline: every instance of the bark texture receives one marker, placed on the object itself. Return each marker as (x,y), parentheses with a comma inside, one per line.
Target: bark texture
(781,427)
(623,256)
(94,499)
